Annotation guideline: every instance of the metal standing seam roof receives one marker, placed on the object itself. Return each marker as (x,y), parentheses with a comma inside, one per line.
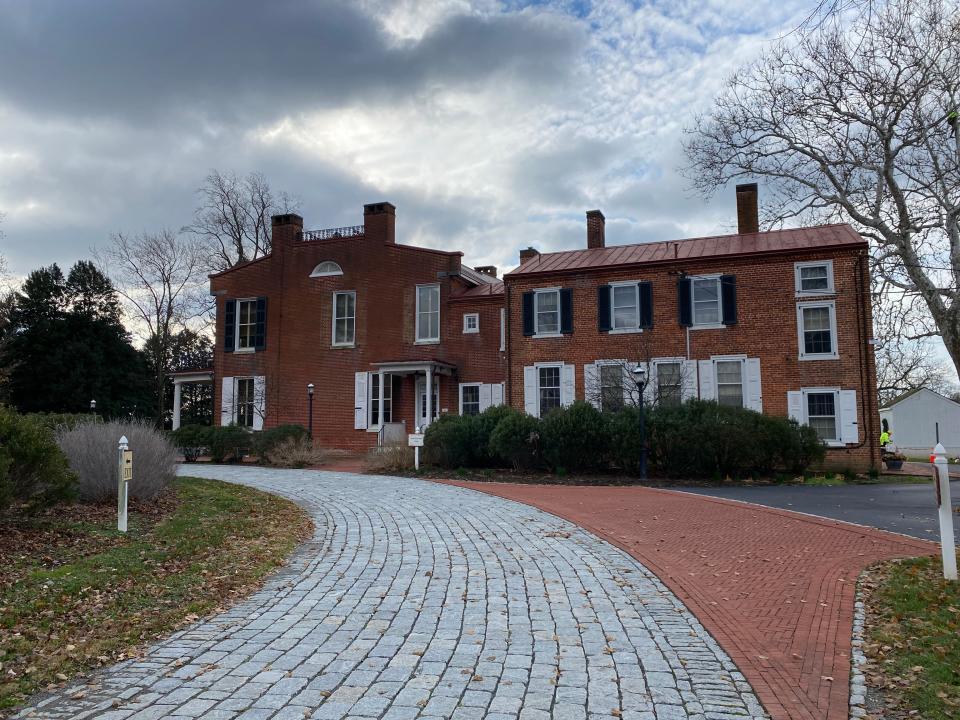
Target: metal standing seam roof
(485,290)
(716,246)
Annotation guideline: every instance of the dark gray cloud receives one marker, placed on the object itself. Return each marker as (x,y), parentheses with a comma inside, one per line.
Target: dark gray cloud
(246,60)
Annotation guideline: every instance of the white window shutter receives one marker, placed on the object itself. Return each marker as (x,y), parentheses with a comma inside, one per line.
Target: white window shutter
(591,384)
(259,401)
(849,429)
(708,385)
(754,394)
(496,394)
(486,396)
(226,402)
(530,390)
(360,401)
(568,388)
(688,380)
(795,406)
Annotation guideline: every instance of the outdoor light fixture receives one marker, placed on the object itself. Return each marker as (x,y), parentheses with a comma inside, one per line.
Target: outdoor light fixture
(93,406)
(640,377)
(310,410)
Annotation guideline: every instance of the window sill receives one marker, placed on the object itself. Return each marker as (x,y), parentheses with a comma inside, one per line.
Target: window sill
(711,326)
(471,332)
(815,293)
(819,357)
(342,346)
(541,336)
(244,351)
(624,331)
(427,342)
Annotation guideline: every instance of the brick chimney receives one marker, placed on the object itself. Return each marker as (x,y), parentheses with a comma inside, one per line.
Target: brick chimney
(490,270)
(748,216)
(285,230)
(596,225)
(380,221)
(528,254)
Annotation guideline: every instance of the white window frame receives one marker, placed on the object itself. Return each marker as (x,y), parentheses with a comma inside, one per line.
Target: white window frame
(694,325)
(470,385)
(317,272)
(536,314)
(333,327)
(835,391)
(467,317)
(801,344)
(236,330)
(635,328)
(374,397)
(798,285)
(427,340)
(252,402)
(657,362)
(742,359)
(559,367)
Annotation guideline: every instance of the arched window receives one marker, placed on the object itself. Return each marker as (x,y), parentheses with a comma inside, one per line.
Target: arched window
(326,269)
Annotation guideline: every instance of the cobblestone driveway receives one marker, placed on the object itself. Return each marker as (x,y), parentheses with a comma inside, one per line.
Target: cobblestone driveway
(422,600)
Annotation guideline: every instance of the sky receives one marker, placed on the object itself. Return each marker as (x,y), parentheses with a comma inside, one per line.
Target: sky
(490,125)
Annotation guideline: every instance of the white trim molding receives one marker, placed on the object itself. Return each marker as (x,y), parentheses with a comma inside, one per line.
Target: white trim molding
(798,281)
(831,306)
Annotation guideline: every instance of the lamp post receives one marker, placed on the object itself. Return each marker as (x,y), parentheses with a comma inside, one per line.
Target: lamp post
(93,407)
(640,377)
(310,410)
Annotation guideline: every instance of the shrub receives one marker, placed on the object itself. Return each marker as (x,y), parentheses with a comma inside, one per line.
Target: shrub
(486,422)
(191,440)
(452,441)
(574,437)
(33,470)
(268,440)
(389,459)
(92,452)
(624,448)
(293,452)
(515,439)
(228,443)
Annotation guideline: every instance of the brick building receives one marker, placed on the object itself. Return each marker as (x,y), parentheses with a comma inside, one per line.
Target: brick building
(775,321)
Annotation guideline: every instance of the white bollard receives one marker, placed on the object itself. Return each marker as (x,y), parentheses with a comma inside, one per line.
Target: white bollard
(947,544)
(121,485)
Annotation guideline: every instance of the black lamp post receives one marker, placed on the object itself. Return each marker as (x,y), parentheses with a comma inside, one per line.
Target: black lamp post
(640,376)
(310,410)
(93,407)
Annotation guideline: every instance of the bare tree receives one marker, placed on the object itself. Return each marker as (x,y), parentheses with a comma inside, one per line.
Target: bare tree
(161,277)
(854,121)
(233,217)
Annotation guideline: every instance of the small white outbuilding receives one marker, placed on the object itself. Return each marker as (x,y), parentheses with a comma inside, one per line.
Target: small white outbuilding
(918,418)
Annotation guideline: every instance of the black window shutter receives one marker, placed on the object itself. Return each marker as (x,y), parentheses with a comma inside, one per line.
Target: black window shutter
(229,325)
(603,308)
(528,319)
(646,304)
(684,302)
(260,334)
(566,311)
(728,297)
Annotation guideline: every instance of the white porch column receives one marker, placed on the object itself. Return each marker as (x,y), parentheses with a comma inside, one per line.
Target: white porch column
(176,404)
(380,418)
(429,418)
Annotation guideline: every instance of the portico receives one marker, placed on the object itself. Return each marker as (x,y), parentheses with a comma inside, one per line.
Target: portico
(425,374)
(186,377)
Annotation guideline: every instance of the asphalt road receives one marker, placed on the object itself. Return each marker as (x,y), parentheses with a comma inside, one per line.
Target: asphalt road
(907,509)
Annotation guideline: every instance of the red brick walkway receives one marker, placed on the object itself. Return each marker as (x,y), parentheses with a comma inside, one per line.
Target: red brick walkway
(775,588)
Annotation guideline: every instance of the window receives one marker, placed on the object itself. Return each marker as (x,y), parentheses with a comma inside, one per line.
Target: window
(428,313)
(344,318)
(730,382)
(611,388)
(503,329)
(548,389)
(547,309)
(374,403)
(817,325)
(706,301)
(469,399)
(822,415)
(245,402)
(669,391)
(327,268)
(246,324)
(814,278)
(625,303)
(471,323)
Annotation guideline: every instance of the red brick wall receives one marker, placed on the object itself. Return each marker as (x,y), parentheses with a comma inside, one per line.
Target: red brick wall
(766,329)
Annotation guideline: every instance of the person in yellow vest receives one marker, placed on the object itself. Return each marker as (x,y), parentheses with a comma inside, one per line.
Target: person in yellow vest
(952,121)
(884,438)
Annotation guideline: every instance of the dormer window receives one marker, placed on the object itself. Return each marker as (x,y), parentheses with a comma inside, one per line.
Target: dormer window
(328,268)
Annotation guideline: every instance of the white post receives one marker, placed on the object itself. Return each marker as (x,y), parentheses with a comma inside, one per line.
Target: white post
(429,418)
(416,453)
(176,404)
(121,486)
(380,417)
(947,547)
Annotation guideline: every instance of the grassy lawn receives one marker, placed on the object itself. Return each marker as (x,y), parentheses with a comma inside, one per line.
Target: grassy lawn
(913,638)
(75,594)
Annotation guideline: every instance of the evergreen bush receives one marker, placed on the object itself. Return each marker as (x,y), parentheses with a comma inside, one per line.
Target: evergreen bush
(265,442)
(452,441)
(574,438)
(33,470)
(191,440)
(228,443)
(516,439)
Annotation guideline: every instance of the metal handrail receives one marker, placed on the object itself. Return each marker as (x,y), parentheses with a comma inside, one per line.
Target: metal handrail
(331,233)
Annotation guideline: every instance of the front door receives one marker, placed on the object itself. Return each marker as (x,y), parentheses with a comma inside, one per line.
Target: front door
(421,410)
